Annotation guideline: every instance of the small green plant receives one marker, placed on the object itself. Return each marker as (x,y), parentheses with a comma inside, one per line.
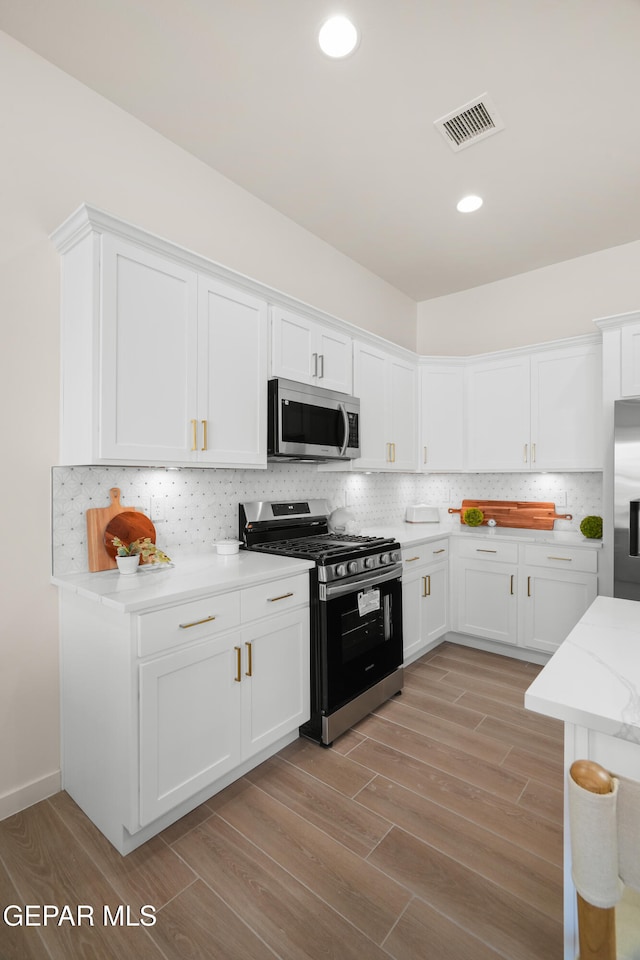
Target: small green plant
(148,551)
(591,527)
(473,517)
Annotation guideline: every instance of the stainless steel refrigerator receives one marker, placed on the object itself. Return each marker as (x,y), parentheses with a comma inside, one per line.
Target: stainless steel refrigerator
(626,535)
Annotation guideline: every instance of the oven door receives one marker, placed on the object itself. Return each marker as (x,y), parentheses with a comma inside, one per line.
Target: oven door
(360,641)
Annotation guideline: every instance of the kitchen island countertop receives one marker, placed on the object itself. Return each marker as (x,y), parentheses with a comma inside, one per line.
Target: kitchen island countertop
(593,679)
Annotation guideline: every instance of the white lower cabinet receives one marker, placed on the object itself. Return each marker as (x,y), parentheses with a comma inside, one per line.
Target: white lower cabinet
(163,708)
(558,585)
(529,596)
(425,596)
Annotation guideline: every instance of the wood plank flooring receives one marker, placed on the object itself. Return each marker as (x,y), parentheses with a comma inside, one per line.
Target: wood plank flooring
(431,830)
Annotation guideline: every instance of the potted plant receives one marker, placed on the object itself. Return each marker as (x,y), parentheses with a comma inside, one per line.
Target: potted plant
(142,550)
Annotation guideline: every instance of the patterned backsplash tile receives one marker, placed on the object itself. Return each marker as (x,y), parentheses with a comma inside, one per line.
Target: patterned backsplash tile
(192,507)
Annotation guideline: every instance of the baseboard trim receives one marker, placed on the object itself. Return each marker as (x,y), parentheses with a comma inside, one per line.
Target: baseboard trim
(29,794)
(493,646)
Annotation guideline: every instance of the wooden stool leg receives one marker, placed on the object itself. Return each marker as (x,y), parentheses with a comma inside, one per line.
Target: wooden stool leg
(597,928)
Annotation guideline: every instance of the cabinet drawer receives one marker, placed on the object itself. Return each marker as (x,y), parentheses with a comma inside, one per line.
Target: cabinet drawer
(488,550)
(185,622)
(413,557)
(274,597)
(561,557)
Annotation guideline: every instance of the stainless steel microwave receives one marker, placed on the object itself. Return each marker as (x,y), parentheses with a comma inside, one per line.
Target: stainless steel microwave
(310,423)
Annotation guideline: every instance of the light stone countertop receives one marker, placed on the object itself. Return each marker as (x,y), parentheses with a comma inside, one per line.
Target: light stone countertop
(593,679)
(410,534)
(191,576)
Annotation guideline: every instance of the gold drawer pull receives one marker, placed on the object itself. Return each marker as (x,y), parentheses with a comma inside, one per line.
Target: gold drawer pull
(411,559)
(194,427)
(484,550)
(284,596)
(204,435)
(195,623)
(568,559)
(238,676)
(511,589)
(426,586)
(249,672)
(441,550)
(528,586)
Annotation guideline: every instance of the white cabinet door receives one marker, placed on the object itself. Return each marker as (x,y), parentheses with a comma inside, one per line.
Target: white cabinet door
(403,414)
(487,600)
(566,408)
(147,366)
(552,602)
(630,360)
(498,415)
(425,596)
(442,417)
(371,384)
(232,375)
(275,682)
(190,723)
(387,387)
(309,352)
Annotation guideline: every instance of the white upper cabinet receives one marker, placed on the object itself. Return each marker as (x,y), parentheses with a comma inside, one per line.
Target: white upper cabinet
(310,352)
(538,411)
(162,363)
(498,415)
(147,361)
(387,388)
(232,376)
(442,415)
(630,360)
(566,408)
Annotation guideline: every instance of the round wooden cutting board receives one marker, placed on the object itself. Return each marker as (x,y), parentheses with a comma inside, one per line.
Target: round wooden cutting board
(129,525)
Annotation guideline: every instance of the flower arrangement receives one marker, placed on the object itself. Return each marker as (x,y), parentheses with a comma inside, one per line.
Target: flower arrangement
(143,546)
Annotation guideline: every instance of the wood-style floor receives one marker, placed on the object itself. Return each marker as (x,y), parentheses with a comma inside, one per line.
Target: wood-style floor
(432,831)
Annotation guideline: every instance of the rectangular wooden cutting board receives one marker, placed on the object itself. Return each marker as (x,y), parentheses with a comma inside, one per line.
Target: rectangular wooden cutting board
(523,514)
(97,521)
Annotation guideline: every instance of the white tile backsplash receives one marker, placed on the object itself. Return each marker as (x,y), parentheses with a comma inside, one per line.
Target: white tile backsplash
(191,507)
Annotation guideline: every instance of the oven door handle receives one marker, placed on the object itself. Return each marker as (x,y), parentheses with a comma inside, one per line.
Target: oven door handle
(332,590)
(345,417)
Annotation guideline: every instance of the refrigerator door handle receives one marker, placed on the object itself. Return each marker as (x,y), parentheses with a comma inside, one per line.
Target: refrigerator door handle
(634,523)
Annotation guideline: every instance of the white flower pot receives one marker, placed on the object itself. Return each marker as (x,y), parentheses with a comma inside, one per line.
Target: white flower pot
(128,565)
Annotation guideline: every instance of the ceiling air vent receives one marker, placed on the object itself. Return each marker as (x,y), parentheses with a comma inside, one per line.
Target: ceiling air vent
(474,121)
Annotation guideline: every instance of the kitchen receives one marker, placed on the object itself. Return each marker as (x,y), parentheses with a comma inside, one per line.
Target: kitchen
(71,146)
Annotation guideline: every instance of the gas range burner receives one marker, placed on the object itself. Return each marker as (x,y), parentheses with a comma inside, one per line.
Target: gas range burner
(300,529)
(322,548)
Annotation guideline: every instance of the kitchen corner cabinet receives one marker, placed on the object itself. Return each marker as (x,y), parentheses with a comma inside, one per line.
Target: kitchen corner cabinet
(387,387)
(539,411)
(163,708)
(425,596)
(161,363)
(442,417)
(310,352)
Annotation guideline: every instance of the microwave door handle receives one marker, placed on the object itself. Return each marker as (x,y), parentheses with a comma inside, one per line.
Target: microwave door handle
(343,411)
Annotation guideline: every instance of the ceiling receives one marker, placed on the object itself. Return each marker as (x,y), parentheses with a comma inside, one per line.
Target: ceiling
(348,148)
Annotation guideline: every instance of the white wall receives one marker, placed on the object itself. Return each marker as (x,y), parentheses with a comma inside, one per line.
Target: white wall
(546,304)
(63,145)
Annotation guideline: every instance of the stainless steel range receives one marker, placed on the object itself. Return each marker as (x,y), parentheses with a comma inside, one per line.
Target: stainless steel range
(356,609)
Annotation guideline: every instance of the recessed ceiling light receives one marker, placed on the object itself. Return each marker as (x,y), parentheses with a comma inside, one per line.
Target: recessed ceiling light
(469,204)
(338,37)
